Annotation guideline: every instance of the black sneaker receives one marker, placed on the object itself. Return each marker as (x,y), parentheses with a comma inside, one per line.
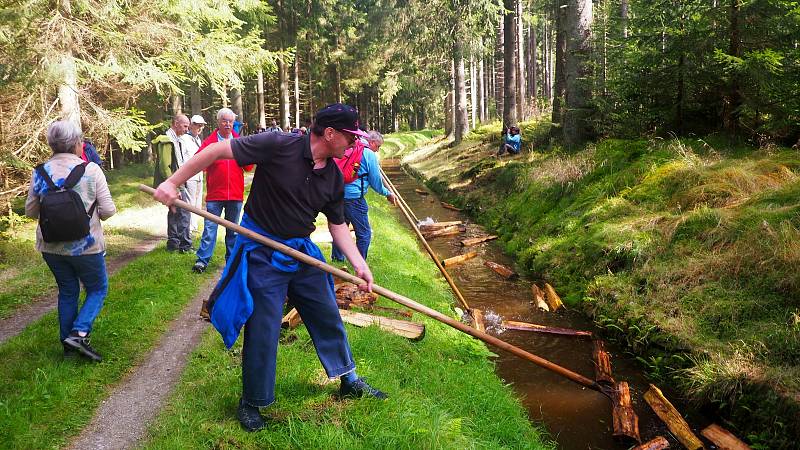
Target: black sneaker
(198,267)
(250,417)
(69,352)
(81,344)
(358,389)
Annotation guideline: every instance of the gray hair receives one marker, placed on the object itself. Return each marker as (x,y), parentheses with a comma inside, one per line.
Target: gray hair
(375,135)
(225,112)
(63,136)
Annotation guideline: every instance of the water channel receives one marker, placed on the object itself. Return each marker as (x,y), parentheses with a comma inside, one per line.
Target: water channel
(576,417)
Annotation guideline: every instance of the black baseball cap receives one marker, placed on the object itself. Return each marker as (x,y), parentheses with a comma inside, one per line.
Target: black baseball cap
(340,117)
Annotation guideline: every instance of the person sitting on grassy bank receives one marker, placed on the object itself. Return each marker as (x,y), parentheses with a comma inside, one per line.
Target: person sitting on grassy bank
(295,179)
(512,142)
(75,261)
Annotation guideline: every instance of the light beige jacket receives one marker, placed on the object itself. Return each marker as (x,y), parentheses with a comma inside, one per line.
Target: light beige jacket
(91,187)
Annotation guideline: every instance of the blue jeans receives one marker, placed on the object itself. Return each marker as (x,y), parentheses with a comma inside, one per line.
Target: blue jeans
(233,212)
(70,272)
(356,212)
(309,292)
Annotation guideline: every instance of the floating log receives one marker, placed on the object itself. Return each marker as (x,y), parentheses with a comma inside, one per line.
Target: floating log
(291,320)
(602,362)
(504,271)
(658,443)
(348,294)
(450,207)
(538,297)
(477,319)
(421,192)
(723,439)
(448,231)
(552,298)
(458,259)
(664,410)
(626,422)
(437,225)
(524,326)
(477,240)
(411,330)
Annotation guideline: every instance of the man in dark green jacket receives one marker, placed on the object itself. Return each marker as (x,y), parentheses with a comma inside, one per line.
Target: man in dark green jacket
(170,154)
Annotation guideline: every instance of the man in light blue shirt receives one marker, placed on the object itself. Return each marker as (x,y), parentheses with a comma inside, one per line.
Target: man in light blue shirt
(511,142)
(356,210)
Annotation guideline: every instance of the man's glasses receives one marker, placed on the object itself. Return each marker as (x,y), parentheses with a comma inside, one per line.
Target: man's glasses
(351,138)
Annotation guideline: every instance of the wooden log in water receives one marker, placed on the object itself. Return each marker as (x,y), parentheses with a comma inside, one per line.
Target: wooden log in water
(477,240)
(410,330)
(421,192)
(553,300)
(446,205)
(477,319)
(291,320)
(458,259)
(504,271)
(447,231)
(602,362)
(670,416)
(658,443)
(524,326)
(625,420)
(437,225)
(538,297)
(723,438)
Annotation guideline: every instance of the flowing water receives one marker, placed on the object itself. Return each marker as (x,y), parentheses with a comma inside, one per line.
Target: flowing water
(577,417)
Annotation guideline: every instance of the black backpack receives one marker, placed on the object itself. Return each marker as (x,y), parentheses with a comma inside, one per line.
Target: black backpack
(62,216)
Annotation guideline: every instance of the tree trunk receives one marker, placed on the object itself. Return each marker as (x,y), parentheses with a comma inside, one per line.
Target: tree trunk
(338,80)
(481,91)
(262,117)
(499,66)
(473,92)
(532,67)
(311,109)
(236,104)
(559,89)
(519,39)
(68,90)
(623,12)
(547,60)
(196,99)
(680,95)
(176,104)
(283,94)
(734,100)
(461,119)
(577,128)
(296,90)
(509,65)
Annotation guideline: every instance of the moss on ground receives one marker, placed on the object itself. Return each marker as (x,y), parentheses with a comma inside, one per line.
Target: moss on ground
(686,249)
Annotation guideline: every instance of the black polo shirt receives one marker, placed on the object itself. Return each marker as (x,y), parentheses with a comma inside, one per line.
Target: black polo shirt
(287,192)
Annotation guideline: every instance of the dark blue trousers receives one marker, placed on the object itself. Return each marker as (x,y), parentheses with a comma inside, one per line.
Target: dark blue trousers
(308,291)
(356,211)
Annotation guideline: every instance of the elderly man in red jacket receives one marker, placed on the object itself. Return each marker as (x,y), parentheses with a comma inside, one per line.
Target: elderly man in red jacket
(224,192)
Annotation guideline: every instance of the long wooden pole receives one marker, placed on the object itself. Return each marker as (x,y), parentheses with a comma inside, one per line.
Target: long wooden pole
(407,213)
(397,194)
(405,301)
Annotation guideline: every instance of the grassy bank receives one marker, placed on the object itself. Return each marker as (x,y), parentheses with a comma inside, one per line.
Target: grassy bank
(686,249)
(138,218)
(443,390)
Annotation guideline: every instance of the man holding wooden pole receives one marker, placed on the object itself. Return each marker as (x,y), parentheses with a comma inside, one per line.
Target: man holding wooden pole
(295,179)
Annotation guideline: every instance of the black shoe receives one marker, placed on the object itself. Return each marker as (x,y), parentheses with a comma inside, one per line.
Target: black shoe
(358,389)
(250,418)
(69,352)
(198,267)
(81,344)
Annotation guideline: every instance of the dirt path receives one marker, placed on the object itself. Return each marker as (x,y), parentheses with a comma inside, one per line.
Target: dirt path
(122,419)
(25,315)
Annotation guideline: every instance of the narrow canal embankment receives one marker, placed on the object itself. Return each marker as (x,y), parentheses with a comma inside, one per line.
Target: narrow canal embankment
(683,250)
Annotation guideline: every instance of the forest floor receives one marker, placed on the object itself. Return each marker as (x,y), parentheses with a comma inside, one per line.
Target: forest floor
(686,250)
(167,380)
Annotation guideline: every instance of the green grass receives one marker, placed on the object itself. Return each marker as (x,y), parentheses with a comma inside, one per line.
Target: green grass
(686,249)
(137,216)
(443,390)
(45,399)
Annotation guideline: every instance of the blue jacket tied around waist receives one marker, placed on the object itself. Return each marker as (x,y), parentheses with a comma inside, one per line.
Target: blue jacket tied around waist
(231,303)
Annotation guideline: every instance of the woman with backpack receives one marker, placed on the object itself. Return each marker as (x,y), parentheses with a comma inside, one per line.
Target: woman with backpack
(70,197)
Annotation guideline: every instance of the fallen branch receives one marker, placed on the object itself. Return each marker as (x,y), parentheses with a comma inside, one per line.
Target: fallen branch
(447,231)
(438,225)
(602,362)
(421,192)
(552,298)
(626,422)
(524,326)
(450,207)
(723,438)
(658,443)
(504,271)
(458,259)
(538,297)
(477,240)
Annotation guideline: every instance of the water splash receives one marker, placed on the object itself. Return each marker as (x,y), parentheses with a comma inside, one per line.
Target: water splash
(493,322)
